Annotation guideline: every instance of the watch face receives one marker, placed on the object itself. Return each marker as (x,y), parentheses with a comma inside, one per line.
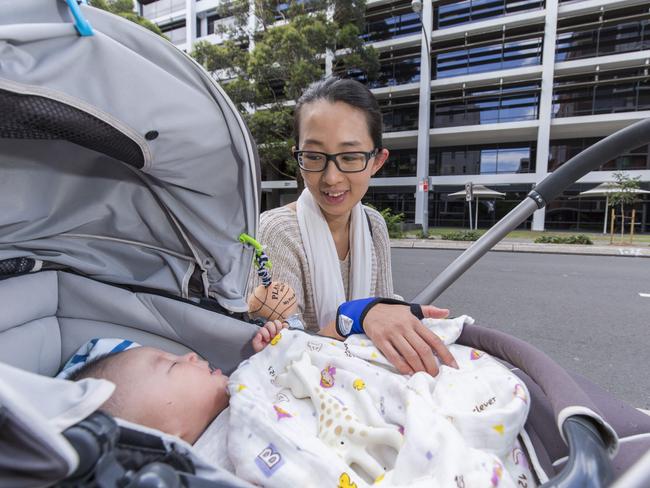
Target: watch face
(345,325)
(294,322)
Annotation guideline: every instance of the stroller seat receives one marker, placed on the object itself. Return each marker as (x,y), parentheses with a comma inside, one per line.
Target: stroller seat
(49,314)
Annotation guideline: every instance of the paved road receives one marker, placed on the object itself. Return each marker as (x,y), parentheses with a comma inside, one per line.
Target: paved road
(583,311)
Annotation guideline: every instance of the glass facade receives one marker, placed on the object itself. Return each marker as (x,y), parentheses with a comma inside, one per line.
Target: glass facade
(161,7)
(573,212)
(451,13)
(401,162)
(398,199)
(563,150)
(483,160)
(504,49)
(602,93)
(390,21)
(448,212)
(400,113)
(599,34)
(472,106)
(485,105)
(487,159)
(398,67)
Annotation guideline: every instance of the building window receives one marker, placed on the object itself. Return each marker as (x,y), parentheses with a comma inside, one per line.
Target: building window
(478,53)
(601,93)
(398,199)
(450,13)
(485,105)
(600,34)
(400,113)
(401,162)
(391,21)
(397,67)
(563,150)
(448,212)
(162,7)
(484,159)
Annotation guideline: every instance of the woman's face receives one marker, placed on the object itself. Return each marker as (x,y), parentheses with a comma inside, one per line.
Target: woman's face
(332,128)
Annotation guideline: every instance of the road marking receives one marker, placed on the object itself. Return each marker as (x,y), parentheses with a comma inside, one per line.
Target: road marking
(629,252)
(644,295)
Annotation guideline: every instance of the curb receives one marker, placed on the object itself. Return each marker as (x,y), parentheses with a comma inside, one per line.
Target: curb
(619,251)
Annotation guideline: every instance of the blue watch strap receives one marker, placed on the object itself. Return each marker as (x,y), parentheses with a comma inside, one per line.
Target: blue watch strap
(350,315)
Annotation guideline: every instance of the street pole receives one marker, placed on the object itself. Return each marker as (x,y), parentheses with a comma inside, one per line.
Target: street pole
(425,10)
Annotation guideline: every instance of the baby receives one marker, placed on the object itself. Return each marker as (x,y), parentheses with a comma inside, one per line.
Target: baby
(179,395)
(289,402)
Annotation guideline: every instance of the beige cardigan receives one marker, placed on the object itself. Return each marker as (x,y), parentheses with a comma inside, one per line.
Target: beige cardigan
(280,233)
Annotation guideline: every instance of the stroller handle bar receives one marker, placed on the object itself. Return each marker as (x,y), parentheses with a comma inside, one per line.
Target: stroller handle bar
(549,188)
(588,459)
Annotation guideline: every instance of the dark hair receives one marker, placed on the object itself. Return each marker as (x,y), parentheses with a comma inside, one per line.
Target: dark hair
(94,368)
(101,367)
(355,94)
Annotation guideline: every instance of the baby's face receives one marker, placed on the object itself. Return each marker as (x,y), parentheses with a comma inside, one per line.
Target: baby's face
(179,395)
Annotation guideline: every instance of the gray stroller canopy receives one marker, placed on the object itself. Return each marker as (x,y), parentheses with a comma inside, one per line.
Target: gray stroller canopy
(121,158)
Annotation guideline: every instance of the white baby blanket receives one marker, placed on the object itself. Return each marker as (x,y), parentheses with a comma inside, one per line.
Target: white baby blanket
(310,411)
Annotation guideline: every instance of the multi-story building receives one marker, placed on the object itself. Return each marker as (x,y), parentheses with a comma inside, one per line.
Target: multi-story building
(518,87)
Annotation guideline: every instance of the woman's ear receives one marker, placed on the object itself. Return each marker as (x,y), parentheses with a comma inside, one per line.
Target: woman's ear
(379,160)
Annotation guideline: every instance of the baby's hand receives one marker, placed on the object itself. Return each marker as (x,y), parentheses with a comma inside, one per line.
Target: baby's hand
(266,334)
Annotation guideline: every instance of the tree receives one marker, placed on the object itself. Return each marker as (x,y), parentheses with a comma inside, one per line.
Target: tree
(625,194)
(124,8)
(266,64)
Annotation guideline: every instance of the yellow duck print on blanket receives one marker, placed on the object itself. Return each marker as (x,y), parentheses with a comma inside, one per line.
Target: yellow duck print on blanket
(346,482)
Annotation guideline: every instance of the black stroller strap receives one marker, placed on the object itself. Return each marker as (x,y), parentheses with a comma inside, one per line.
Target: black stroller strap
(135,449)
(111,456)
(94,439)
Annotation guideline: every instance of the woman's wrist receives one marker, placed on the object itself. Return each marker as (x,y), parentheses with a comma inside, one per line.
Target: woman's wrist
(351,314)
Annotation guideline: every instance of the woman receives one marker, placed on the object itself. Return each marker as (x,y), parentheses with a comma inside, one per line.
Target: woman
(328,246)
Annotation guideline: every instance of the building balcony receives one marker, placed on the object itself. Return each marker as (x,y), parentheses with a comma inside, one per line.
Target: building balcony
(600,125)
(519,131)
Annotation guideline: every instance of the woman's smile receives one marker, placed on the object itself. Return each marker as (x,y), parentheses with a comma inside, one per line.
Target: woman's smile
(334,197)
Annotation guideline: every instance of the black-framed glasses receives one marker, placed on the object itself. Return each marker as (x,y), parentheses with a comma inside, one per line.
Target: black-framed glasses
(346,162)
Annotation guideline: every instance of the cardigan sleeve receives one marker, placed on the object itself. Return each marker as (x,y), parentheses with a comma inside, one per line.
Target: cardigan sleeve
(381,242)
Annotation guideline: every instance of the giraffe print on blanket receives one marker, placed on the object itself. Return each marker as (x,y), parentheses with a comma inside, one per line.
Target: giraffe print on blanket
(339,427)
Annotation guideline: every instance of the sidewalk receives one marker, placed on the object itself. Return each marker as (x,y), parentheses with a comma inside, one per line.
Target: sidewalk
(519,245)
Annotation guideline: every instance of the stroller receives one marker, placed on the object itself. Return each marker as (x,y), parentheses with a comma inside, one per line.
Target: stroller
(126,178)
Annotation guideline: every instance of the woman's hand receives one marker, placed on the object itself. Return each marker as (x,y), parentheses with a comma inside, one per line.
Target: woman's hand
(266,334)
(404,340)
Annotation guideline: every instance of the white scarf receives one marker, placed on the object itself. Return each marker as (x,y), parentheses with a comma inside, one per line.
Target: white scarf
(323,260)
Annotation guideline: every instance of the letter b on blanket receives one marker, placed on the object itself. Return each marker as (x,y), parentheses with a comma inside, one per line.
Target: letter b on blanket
(269,460)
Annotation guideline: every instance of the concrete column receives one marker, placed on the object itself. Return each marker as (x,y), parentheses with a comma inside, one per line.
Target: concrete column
(203,31)
(252,25)
(329,55)
(545,103)
(424,118)
(190,24)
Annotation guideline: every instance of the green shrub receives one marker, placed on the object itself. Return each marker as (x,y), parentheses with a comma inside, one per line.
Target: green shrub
(572,239)
(463,235)
(393,222)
